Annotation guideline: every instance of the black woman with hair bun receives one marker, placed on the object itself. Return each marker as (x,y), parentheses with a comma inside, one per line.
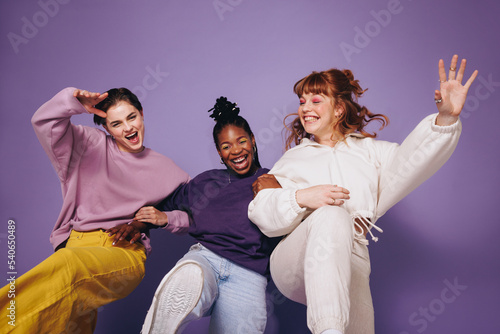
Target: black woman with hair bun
(225,274)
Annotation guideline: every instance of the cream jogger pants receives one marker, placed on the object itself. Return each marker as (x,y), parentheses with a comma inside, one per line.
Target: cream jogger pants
(320,265)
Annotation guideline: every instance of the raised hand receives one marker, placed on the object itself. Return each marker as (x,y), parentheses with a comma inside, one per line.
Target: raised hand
(450,98)
(321,195)
(89,100)
(149,214)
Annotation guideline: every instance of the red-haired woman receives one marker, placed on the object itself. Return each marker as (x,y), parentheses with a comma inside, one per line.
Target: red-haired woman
(323,262)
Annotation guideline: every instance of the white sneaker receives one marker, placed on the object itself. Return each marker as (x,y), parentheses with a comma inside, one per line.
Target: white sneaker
(176,296)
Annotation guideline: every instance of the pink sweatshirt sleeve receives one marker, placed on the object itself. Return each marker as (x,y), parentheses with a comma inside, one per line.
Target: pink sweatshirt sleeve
(178,222)
(62,141)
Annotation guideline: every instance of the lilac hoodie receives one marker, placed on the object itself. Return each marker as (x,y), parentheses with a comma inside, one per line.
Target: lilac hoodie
(102,186)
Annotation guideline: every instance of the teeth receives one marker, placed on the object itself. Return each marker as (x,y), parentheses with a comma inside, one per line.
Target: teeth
(239,160)
(131,135)
(310,118)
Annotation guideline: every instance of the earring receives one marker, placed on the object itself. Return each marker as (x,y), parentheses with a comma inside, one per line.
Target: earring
(221,161)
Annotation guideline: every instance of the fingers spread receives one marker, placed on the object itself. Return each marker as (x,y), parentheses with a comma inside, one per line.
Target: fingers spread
(453,68)
(471,79)
(442,73)
(461,70)
(437,95)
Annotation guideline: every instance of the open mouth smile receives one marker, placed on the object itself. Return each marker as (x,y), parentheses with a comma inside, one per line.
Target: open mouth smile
(133,138)
(310,119)
(240,162)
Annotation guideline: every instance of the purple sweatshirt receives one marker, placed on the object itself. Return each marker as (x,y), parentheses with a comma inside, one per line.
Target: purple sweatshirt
(102,187)
(217,203)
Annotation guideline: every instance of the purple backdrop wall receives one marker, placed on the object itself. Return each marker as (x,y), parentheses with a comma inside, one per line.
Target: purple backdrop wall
(178,56)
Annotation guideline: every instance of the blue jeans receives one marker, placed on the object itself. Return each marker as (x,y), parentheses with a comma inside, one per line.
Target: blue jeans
(234,296)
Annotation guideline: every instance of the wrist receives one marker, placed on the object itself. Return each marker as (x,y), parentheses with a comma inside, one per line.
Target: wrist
(138,225)
(446,120)
(298,198)
(163,222)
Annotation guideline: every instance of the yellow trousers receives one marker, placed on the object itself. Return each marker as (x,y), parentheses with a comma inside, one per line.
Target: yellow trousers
(62,294)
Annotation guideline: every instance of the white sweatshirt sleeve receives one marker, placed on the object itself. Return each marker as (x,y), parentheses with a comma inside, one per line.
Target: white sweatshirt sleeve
(275,211)
(404,167)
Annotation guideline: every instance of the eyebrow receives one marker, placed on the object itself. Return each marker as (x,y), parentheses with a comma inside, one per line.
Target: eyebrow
(226,142)
(119,121)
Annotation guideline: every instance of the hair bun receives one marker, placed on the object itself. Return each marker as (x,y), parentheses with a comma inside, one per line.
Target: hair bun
(224,109)
(355,87)
(348,74)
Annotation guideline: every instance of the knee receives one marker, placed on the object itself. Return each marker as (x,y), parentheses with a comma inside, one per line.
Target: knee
(194,272)
(332,212)
(331,219)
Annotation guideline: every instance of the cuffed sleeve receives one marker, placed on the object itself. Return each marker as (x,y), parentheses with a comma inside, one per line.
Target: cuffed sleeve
(275,211)
(178,222)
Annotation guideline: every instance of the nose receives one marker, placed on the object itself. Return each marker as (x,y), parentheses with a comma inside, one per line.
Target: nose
(127,126)
(235,150)
(306,106)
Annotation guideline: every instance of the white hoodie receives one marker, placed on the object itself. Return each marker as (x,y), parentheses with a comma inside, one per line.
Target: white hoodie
(377,174)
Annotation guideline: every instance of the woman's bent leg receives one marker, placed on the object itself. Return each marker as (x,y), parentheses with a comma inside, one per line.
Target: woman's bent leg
(185,294)
(61,294)
(241,305)
(312,266)
(361,317)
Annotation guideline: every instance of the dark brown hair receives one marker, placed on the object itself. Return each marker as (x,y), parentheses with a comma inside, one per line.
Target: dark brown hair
(115,96)
(345,91)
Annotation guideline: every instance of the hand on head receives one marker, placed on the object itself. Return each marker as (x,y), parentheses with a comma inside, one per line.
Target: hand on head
(89,100)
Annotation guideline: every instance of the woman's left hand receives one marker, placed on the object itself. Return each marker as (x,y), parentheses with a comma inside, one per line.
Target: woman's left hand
(131,231)
(450,98)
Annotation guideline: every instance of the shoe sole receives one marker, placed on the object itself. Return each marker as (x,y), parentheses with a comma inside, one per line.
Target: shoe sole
(172,301)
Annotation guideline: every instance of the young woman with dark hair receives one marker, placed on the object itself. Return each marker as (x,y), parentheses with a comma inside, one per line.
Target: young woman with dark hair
(225,274)
(323,262)
(105,179)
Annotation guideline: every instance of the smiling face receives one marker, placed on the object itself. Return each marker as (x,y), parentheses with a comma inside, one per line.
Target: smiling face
(236,148)
(126,124)
(318,116)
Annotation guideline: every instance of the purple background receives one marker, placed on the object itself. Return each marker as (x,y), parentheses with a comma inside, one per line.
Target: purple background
(253,52)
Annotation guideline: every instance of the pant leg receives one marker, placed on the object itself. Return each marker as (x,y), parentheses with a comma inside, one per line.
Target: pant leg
(361,315)
(241,305)
(62,293)
(210,290)
(313,266)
